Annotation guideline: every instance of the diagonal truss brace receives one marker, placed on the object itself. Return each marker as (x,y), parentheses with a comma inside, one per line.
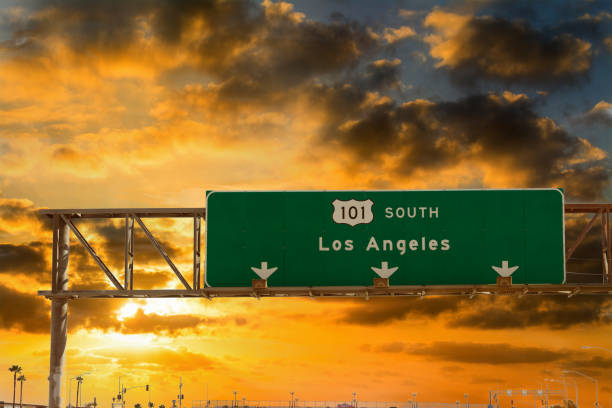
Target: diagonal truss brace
(605,243)
(129,253)
(91,251)
(585,231)
(197,261)
(161,251)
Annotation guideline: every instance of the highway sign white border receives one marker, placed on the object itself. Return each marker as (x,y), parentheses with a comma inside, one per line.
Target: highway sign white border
(211,192)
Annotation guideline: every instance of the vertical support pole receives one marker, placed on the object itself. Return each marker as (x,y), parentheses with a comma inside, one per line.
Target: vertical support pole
(54,253)
(197,226)
(129,253)
(604,244)
(609,245)
(59,312)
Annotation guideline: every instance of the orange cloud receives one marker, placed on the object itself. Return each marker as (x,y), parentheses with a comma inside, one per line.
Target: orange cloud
(502,49)
(154,358)
(72,160)
(420,138)
(393,35)
(600,114)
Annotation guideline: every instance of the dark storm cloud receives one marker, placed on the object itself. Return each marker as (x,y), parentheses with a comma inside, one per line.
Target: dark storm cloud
(112,242)
(27,312)
(171,325)
(585,264)
(291,52)
(151,280)
(154,323)
(593,363)
(579,18)
(229,23)
(23,311)
(555,312)
(94,314)
(485,353)
(84,273)
(478,353)
(500,49)
(28,259)
(33,259)
(15,208)
(385,310)
(266,43)
(22,212)
(383,74)
(501,129)
(485,312)
(85,26)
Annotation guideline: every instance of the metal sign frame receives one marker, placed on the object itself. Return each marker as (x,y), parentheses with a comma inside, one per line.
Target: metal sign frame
(63,225)
(60,294)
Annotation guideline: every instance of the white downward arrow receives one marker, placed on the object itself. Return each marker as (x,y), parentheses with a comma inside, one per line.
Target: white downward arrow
(504,270)
(384,271)
(264,272)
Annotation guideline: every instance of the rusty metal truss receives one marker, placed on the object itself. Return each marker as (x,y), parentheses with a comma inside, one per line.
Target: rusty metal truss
(601,212)
(60,294)
(134,216)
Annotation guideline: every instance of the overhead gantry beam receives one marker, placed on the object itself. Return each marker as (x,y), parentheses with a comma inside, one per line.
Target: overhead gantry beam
(347,291)
(130,215)
(123,212)
(135,215)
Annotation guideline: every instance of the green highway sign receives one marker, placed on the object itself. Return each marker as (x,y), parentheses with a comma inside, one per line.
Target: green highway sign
(347,238)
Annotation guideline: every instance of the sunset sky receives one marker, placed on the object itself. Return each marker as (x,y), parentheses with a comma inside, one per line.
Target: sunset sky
(150,103)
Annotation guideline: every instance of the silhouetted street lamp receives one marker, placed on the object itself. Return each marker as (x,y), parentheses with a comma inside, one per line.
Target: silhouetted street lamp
(70,387)
(588,378)
(596,347)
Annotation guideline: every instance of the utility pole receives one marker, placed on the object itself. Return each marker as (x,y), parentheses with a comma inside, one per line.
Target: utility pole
(119,390)
(180,392)
(564,391)
(59,310)
(588,378)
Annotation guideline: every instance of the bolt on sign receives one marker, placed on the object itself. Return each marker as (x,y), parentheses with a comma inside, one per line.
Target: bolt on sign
(347,238)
